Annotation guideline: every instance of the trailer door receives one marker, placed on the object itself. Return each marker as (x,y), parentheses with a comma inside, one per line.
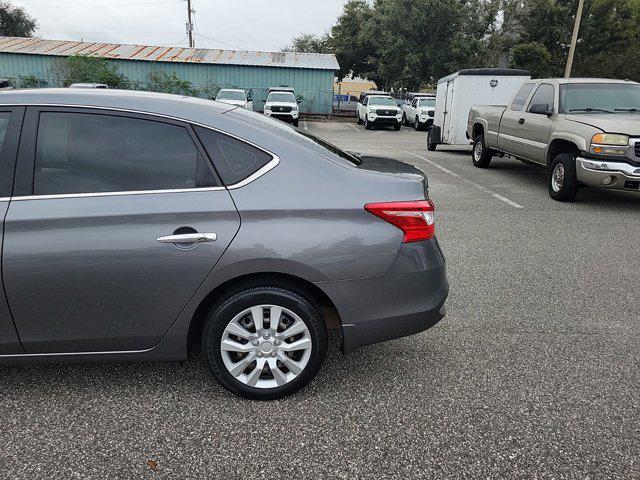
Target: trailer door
(447,133)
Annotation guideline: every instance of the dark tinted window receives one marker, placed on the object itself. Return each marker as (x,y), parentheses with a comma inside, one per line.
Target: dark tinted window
(543,95)
(234,160)
(90,153)
(4,123)
(521,97)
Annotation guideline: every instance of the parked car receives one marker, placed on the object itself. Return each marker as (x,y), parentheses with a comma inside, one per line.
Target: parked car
(585,131)
(419,112)
(138,224)
(235,96)
(458,92)
(281,103)
(345,103)
(89,85)
(378,110)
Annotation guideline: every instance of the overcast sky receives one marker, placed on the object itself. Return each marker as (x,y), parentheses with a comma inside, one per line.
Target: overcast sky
(249,24)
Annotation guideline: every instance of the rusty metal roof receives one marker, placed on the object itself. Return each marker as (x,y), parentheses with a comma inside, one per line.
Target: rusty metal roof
(63,48)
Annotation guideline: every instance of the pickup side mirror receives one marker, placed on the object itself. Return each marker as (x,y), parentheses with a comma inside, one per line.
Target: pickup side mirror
(298,101)
(541,109)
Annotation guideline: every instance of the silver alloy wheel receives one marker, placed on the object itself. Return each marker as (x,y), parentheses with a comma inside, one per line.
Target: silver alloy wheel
(477,151)
(266,346)
(557,177)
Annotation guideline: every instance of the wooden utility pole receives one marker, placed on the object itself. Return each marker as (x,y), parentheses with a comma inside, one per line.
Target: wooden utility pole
(190,24)
(574,39)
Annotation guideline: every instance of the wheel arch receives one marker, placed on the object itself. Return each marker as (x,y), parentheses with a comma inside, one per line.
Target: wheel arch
(314,294)
(558,146)
(478,129)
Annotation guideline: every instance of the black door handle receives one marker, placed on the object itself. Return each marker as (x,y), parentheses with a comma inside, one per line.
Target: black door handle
(521,121)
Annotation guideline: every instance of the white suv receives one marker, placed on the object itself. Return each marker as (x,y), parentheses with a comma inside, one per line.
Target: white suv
(376,109)
(235,96)
(281,103)
(419,112)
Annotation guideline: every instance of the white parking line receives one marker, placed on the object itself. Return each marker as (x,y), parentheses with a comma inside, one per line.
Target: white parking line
(354,127)
(459,177)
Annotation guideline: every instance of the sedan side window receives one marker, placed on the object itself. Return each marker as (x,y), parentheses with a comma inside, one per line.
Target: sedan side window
(4,123)
(234,160)
(92,153)
(521,97)
(544,95)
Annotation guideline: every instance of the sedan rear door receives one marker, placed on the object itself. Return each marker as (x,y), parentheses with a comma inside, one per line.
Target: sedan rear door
(10,125)
(115,222)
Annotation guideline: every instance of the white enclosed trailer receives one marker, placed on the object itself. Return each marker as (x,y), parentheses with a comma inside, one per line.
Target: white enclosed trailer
(460,91)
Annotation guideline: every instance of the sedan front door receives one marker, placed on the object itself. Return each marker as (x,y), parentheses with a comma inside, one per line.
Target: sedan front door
(116,220)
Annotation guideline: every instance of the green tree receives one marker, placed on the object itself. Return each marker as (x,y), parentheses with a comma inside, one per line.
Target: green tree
(163,82)
(309,43)
(351,41)
(15,22)
(533,57)
(83,69)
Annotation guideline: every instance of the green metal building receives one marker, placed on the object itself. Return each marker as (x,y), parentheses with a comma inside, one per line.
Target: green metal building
(310,74)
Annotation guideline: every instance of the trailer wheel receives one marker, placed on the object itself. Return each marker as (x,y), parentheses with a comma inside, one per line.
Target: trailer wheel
(481,155)
(430,145)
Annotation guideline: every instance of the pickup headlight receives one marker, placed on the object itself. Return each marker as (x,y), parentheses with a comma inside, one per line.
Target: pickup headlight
(294,108)
(609,144)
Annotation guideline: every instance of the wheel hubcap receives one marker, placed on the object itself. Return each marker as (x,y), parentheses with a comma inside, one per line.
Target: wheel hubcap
(477,151)
(266,346)
(557,178)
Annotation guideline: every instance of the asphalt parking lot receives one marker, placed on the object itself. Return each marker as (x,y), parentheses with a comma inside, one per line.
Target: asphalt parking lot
(534,373)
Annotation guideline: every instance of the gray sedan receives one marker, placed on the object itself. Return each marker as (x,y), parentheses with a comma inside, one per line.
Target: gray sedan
(137,225)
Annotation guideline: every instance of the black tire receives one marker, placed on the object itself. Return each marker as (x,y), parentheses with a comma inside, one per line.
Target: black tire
(367,124)
(417,125)
(404,120)
(566,189)
(430,145)
(480,154)
(296,122)
(224,312)
(359,119)
(396,127)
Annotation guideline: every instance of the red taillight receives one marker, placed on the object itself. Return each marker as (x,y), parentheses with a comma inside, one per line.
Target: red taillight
(415,219)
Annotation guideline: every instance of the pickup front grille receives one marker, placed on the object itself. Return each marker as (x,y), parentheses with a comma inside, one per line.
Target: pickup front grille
(386,113)
(281,109)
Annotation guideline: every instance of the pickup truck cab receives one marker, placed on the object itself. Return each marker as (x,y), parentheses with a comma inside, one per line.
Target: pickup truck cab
(378,108)
(235,96)
(419,112)
(281,103)
(585,131)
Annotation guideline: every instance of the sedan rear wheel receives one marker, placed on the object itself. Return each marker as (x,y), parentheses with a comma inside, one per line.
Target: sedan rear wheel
(265,343)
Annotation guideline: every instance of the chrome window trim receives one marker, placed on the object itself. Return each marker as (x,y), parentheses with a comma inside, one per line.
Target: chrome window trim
(115,194)
(273,163)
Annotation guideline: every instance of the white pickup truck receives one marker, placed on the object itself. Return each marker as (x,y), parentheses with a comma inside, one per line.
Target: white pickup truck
(419,111)
(585,131)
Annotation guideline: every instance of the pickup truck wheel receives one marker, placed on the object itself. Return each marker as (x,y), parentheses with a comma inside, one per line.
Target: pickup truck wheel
(404,120)
(430,145)
(562,179)
(417,125)
(367,124)
(480,154)
(359,119)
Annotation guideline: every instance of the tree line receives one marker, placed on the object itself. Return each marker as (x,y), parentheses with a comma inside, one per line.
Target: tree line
(412,43)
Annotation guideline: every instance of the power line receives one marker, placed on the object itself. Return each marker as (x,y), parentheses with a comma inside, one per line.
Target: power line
(106,4)
(220,41)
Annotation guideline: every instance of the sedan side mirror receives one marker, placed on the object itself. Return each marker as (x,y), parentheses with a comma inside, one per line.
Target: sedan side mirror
(541,109)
